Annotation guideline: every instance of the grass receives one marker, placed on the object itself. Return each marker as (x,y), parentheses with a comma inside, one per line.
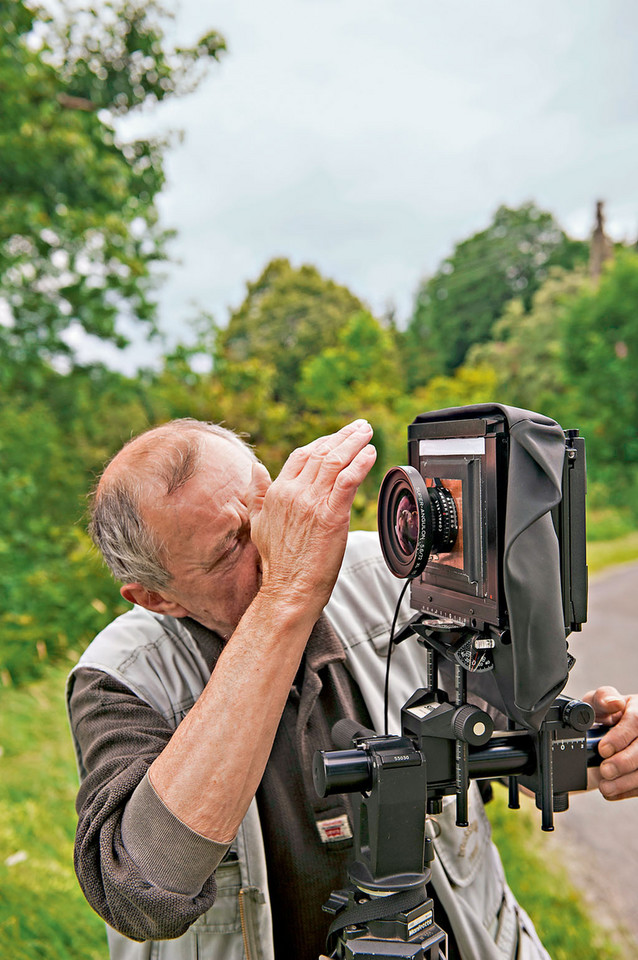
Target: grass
(540,881)
(43,915)
(610,552)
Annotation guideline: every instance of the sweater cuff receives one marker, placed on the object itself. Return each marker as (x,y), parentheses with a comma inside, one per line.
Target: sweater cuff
(168,853)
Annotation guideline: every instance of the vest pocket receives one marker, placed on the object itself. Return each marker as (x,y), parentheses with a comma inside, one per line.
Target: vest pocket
(508,932)
(217,934)
(224,916)
(250,900)
(230,929)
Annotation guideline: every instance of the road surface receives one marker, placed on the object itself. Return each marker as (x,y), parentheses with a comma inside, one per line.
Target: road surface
(600,838)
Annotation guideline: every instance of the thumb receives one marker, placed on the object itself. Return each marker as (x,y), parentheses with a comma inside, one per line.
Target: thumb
(607,702)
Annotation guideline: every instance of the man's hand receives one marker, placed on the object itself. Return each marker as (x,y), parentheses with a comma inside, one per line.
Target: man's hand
(617,777)
(299,522)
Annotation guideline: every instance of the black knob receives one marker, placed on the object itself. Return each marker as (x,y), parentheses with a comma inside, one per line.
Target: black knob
(578,715)
(472,725)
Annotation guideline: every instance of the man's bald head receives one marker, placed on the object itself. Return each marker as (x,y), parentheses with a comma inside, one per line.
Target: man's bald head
(154,464)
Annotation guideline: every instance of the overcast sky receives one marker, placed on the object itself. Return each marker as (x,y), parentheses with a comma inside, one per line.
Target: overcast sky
(369,136)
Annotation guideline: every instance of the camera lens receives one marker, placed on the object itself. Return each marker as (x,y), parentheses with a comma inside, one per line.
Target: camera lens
(404,520)
(413,519)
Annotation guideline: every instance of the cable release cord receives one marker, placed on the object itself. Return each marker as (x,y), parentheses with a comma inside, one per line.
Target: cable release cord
(386,691)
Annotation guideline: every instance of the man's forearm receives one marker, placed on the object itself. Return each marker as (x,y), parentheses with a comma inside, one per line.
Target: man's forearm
(141,869)
(209,771)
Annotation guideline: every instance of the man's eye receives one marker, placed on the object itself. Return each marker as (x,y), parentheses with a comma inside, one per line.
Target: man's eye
(231,549)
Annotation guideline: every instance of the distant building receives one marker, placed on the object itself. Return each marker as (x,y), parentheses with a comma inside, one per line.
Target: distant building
(601,247)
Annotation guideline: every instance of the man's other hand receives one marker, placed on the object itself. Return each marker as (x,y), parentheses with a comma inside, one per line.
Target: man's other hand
(617,776)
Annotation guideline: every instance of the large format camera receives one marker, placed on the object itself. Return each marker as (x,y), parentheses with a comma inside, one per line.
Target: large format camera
(442,518)
(487,523)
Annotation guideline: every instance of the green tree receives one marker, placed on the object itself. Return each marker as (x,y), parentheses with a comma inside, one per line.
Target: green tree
(526,350)
(289,314)
(99,409)
(467,385)
(79,231)
(361,371)
(599,353)
(79,237)
(457,307)
(55,593)
(358,377)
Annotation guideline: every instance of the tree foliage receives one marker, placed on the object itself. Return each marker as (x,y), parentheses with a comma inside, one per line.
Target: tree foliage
(465,386)
(289,314)
(360,371)
(79,231)
(526,352)
(457,307)
(599,355)
(54,593)
(79,237)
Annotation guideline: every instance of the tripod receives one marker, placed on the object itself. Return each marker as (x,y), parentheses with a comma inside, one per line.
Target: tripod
(385,911)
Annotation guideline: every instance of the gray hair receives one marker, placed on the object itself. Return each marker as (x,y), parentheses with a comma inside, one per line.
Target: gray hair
(163,458)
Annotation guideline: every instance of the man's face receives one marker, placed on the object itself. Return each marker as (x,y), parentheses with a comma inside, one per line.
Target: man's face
(205,530)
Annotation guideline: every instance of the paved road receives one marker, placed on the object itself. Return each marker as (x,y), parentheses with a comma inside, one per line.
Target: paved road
(601,838)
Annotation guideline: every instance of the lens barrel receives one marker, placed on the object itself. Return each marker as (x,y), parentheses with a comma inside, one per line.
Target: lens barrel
(412,520)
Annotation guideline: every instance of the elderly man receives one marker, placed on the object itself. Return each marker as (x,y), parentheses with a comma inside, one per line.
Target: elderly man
(257,623)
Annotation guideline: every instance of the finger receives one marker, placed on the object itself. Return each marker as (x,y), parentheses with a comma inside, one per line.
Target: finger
(621,764)
(309,457)
(342,455)
(337,452)
(324,458)
(259,484)
(623,733)
(608,704)
(621,788)
(349,479)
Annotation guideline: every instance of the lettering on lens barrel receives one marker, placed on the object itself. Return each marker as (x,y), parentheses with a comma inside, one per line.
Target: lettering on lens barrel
(415,520)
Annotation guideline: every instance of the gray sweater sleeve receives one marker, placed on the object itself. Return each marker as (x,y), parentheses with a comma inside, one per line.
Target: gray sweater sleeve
(145,872)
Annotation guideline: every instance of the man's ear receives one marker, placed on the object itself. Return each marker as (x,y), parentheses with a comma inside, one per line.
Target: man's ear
(143,597)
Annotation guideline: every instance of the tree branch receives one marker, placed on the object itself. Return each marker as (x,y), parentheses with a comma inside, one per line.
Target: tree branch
(75,103)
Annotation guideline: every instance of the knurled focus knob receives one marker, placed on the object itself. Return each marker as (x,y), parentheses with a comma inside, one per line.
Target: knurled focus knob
(472,725)
(578,715)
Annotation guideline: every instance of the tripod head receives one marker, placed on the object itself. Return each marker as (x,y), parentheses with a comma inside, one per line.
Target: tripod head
(399,781)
